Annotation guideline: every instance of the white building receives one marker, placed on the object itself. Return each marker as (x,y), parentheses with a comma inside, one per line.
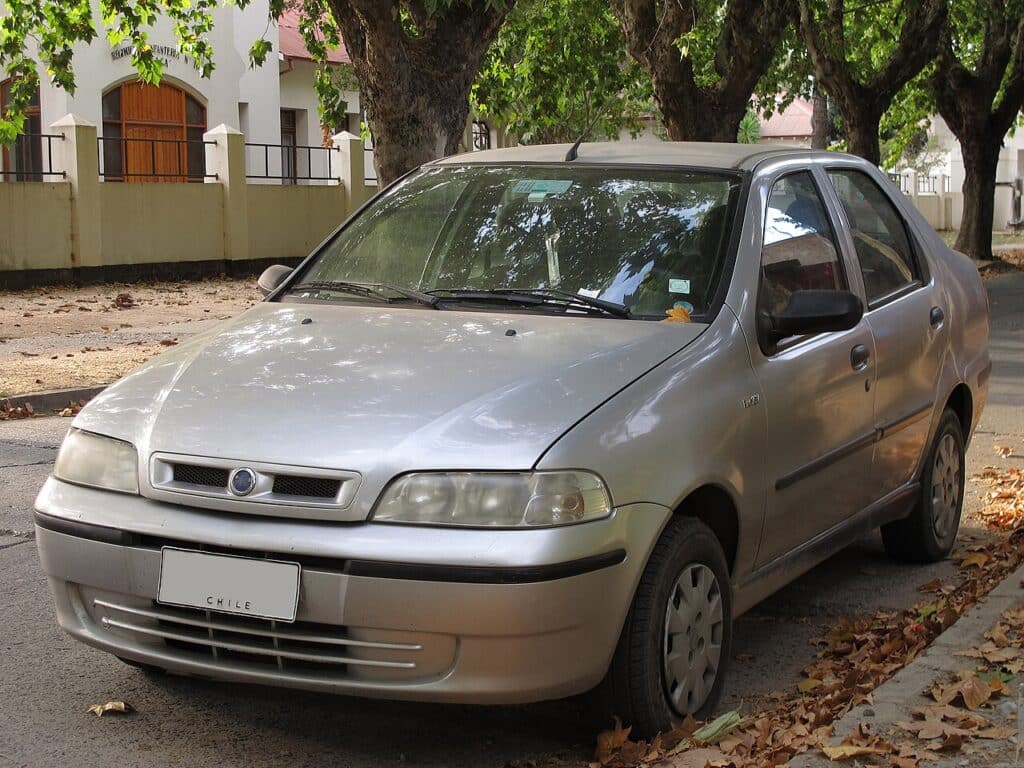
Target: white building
(150,133)
(1009,174)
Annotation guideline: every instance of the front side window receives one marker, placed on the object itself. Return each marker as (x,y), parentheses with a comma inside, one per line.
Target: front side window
(879,235)
(650,240)
(799,249)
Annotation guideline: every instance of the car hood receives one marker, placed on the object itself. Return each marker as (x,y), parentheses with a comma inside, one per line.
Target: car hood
(380,389)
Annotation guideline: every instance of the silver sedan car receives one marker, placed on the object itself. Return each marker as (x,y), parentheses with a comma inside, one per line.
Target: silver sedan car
(531,424)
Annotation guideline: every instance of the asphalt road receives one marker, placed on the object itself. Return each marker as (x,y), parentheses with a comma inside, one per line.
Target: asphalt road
(47,681)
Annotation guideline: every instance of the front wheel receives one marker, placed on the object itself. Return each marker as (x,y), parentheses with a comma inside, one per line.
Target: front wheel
(674,648)
(929,533)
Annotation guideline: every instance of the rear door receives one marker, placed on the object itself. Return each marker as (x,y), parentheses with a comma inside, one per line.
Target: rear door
(819,389)
(907,318)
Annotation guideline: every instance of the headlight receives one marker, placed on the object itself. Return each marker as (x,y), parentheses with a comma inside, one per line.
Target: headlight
(495,499)
(102,462)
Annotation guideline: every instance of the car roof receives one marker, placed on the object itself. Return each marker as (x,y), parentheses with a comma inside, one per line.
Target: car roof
(700,154)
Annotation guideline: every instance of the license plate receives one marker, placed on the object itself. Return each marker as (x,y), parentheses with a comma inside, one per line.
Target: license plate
(267,589)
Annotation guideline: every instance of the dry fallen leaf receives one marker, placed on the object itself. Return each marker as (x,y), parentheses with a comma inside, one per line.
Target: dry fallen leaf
(808,684)
(846,751)
(610,741)
(695,758)
(977,559)
(121,707)
(677,315)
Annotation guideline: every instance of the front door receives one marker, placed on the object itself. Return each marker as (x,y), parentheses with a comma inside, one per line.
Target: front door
(907,318)
(152,134)
(818,390)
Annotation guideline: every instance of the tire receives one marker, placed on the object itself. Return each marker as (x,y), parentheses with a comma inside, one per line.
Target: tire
(927,535)
(642,686)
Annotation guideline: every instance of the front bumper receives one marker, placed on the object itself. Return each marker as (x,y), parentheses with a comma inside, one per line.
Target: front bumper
(387,611)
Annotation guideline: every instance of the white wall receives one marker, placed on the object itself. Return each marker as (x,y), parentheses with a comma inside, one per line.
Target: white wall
(1011,167)
(296,88)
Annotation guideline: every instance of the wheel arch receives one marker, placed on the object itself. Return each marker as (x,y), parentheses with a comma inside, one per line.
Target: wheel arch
(714,506)
(961,401)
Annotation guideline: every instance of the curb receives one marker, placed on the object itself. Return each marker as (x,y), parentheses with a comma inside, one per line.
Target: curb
(904,690)
(54,399)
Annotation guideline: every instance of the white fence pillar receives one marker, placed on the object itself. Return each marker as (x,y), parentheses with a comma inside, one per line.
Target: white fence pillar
(78,157)
(351,171)
(225,157)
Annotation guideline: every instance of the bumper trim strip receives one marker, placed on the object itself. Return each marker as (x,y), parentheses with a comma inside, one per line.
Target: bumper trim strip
(79,530)
(378,569)
(485,574)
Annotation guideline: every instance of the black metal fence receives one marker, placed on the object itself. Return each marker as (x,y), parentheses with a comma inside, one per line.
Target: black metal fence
(30,158)
(900,181)
(930,185)
(126,157)
(290,163)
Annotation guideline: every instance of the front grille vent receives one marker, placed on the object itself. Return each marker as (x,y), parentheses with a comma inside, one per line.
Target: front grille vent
(193,474)
(323,649)
(281,490)
(308,487)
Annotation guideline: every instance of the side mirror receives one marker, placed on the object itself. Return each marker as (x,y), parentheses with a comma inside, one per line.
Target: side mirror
(816,312)
(272,277)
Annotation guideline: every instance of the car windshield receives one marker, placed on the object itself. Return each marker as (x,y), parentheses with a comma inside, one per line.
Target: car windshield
(647,240)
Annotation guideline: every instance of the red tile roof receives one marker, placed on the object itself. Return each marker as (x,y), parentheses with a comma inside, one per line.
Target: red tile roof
(794,121)
(294,47)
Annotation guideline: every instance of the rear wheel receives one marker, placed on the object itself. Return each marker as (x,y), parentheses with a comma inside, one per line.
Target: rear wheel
(674,647)
(929,533)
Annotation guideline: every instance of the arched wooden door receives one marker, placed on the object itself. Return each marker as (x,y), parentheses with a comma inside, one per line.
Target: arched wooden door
(152,133)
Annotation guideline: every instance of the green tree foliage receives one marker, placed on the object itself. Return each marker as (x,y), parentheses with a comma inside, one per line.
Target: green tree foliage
(750,129)
(864,53)
(559,69)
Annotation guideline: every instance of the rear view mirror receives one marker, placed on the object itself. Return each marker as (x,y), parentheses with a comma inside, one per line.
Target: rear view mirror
(816,312)
(272,277)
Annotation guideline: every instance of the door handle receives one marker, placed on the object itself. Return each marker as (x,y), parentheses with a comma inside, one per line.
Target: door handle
(936,317)
(860,356)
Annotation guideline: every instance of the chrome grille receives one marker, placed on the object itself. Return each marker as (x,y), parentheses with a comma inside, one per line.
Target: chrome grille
(308,487)
(242,640)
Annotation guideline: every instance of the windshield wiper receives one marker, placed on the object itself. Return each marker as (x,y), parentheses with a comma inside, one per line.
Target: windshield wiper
(608,307)
(368,290)
(535,297)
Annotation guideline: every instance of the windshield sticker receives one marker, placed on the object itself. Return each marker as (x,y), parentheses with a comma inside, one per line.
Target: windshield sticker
(590,293)
(537,189)
(677,285)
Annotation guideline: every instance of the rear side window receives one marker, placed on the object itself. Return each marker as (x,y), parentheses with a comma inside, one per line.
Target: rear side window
(799,250)
(879,235)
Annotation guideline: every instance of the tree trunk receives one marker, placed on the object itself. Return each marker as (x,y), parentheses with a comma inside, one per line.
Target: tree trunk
(415,122)
(981,162)
(415,73)
(819,119)
(861,122)
(746,42)
(688,117)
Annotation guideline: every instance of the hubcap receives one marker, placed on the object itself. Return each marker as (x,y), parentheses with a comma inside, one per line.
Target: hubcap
(694,625)
(945,486)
